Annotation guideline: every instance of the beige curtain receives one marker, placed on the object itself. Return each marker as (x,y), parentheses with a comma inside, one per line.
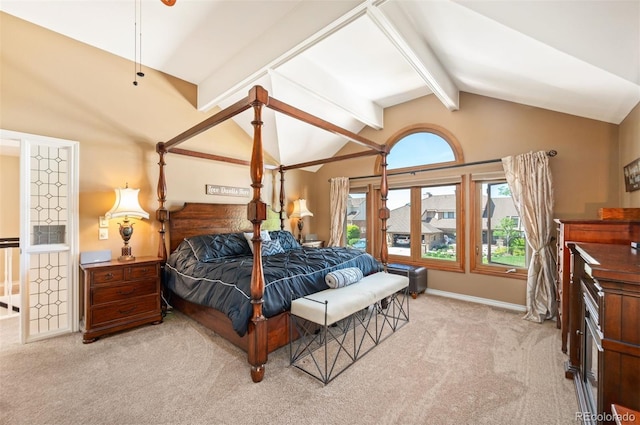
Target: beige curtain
(338,203)
(529,179)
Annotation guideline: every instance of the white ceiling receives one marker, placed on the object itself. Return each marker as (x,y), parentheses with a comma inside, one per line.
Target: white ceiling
(348,60)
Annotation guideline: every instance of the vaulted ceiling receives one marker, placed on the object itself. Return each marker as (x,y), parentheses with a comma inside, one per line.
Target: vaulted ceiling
(348,60)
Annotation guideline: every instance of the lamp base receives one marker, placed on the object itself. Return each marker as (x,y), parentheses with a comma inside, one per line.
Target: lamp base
(126,253)
(300,227)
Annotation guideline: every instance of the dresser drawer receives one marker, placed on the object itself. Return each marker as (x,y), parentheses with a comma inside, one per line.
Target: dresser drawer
(106,294)
(108,275)
(124,310)
(142,271)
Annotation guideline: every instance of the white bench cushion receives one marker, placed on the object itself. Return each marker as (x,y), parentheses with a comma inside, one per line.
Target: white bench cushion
(342,302)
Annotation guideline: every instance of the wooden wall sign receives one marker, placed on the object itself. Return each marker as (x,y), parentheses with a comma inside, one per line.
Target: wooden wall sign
(213,189)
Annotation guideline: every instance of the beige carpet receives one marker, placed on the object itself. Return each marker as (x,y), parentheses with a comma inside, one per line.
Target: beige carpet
(454,363)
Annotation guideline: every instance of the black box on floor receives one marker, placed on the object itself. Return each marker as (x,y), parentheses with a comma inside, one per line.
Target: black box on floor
(417,277)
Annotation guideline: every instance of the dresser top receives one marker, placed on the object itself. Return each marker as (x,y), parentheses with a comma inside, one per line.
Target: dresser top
(611,261)
(593,221)
(116,263)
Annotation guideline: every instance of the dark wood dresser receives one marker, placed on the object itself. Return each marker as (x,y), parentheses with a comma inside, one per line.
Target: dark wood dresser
(598,231)
(605,290)
(120,295)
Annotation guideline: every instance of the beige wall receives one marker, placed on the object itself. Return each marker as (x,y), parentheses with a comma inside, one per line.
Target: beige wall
(585,172)
(54,86)
(629,151)
(10,210)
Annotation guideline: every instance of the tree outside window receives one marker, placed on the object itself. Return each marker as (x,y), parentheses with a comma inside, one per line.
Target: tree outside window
(357,220)
(503,239)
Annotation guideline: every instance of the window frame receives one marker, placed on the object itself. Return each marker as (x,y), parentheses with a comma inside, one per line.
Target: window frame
(368,218)
(476,265)
(434,174)
(415,256)
(423,128)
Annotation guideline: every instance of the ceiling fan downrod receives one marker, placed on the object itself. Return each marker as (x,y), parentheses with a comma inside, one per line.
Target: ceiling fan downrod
(137,64)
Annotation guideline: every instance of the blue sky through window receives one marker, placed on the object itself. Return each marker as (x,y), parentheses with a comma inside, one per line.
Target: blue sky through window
(419,149)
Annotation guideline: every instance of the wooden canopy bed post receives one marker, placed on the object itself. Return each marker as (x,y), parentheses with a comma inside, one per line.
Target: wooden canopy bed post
(281,213)
(162,215)
(384,212)
(257,213)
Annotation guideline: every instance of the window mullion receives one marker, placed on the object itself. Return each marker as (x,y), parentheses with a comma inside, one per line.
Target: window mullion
(416,226)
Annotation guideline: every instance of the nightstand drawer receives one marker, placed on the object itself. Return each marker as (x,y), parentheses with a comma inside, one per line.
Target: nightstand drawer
(141,272)
(124,310)
(109,275)
(105,294)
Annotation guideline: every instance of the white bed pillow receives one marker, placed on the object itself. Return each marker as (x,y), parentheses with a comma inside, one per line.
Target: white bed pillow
(264,234)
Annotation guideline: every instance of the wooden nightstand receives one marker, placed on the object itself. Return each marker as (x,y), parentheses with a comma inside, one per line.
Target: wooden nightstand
(313,244)
(119,295)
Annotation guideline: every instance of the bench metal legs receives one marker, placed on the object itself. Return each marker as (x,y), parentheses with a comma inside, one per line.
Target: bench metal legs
(325,350)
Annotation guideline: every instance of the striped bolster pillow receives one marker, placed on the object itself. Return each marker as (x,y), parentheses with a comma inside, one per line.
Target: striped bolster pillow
(343,277)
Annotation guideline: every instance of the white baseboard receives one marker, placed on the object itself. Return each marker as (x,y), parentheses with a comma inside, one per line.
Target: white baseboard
(478,300)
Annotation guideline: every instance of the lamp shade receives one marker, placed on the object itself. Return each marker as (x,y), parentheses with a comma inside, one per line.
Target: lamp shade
(300,209)
(126,204)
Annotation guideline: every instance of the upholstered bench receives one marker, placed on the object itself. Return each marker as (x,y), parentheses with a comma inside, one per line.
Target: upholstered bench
(338,326)
(417,277)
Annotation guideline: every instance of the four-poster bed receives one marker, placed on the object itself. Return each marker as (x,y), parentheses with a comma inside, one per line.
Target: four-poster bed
(262,335)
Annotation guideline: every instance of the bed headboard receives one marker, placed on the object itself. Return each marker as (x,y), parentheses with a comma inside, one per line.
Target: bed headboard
(201,218)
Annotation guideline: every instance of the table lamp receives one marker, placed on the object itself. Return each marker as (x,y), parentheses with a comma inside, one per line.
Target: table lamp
(126,206)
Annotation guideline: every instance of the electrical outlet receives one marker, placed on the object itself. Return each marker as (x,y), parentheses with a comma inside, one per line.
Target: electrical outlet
(103,233)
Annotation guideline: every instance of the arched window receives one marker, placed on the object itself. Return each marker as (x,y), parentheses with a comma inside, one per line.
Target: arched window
(419,149)
(425,223)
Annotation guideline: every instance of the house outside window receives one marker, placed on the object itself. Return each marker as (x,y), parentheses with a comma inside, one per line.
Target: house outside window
(425,231)
(356,222)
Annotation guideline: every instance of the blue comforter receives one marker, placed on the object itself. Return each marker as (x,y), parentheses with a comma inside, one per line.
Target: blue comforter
(224,282)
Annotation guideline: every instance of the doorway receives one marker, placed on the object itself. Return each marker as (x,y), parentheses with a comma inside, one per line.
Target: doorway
(9,230)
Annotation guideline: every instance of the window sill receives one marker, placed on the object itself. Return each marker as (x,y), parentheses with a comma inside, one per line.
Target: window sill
(443,265)
(501,271)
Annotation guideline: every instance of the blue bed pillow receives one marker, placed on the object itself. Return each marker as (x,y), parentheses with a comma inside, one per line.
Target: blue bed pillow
(271,247)
(208,248)
(286,239)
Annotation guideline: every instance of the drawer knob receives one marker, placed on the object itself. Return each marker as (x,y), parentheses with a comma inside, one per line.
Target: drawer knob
(127,311)
(121,292)
(108,275)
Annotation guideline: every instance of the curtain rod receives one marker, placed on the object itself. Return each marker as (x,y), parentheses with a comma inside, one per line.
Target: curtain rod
(550,153)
